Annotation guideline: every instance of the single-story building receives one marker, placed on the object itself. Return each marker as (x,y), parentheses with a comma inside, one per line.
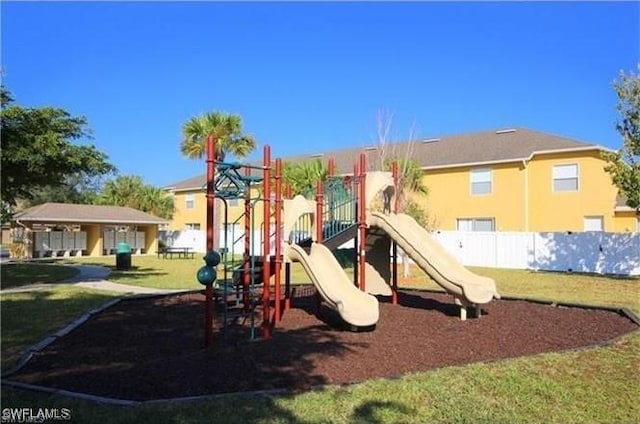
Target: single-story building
(61,229)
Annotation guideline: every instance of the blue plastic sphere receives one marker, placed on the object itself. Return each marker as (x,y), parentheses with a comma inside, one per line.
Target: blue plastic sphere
(212,258)
(206,275)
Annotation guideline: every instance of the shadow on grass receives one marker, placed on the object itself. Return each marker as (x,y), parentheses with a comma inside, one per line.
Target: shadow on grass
(374,411)
(229,410)
(134,273)
(23,274)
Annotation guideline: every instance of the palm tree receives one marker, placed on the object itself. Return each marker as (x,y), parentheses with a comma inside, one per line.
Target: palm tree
(410,176)
(410,186)
(226,128)
(122,191)
(303,177)
(131,191)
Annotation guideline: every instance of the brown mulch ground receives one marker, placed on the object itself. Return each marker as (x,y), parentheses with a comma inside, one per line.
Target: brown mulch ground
(144,349)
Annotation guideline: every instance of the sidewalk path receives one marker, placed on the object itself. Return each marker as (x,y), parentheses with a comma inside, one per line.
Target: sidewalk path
(91,277)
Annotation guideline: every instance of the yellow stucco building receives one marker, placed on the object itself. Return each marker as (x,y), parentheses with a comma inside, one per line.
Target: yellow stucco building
(500,180)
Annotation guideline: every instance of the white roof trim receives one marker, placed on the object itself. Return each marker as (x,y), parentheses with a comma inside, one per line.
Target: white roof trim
(460,165)
(516,159)
(568,150)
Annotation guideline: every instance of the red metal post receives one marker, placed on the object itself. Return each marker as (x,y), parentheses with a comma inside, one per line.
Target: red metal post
(287,286)
(396,189)
(319,230)
(319,205)
(278,247)
(266,260)
(287,266)
(356,212)
(362,222)
(208,293)
(394,246)
(331,169)
(211,169)
(247,272)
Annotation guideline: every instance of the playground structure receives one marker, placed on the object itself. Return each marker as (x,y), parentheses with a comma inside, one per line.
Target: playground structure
(306,231)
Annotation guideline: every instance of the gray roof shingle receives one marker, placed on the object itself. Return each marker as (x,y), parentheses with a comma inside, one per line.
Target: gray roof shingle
(494,146)
(65,212)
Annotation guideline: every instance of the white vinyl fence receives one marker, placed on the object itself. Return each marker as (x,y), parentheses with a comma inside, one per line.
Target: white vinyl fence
(233,240)
(596,252)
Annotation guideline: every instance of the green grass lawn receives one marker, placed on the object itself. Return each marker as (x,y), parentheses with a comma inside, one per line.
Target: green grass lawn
(150,271)
(28,317)
(596,385)
(20,274)
(556,286)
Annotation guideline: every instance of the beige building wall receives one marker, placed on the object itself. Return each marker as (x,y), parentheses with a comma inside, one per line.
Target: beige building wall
(194,211)
(94,239)
(626,222)
(552,210)
(450,197)
(522,198)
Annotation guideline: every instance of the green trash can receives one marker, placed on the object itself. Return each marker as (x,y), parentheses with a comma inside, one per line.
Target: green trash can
(123,257)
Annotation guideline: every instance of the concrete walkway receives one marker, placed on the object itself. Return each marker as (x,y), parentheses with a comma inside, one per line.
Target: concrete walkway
(91,277)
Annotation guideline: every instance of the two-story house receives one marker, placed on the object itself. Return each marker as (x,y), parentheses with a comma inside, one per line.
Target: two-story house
(499,180)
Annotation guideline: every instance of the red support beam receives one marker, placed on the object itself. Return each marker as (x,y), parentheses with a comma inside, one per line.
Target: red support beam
(319,228)
(287,286)
(319,205)
(266,253)
(211,175)
(356,212)
(208,293)
(278,247)
(247,271)
(287,266)
(362,222)
(396,190)
(331,168)
(394,246)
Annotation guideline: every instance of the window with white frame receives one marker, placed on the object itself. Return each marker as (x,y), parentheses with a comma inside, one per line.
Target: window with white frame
(593,223)
(190,201)
(565,177)
(476,224)
(192,226)
(481,181)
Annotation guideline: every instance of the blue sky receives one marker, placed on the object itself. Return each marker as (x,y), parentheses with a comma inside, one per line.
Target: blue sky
(308,77)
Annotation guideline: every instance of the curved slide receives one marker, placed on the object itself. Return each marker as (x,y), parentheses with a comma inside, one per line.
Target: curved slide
(433,259)
(354,306)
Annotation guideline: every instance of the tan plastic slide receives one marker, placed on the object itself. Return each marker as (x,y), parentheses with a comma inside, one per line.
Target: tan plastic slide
(354,306)
(433,259)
